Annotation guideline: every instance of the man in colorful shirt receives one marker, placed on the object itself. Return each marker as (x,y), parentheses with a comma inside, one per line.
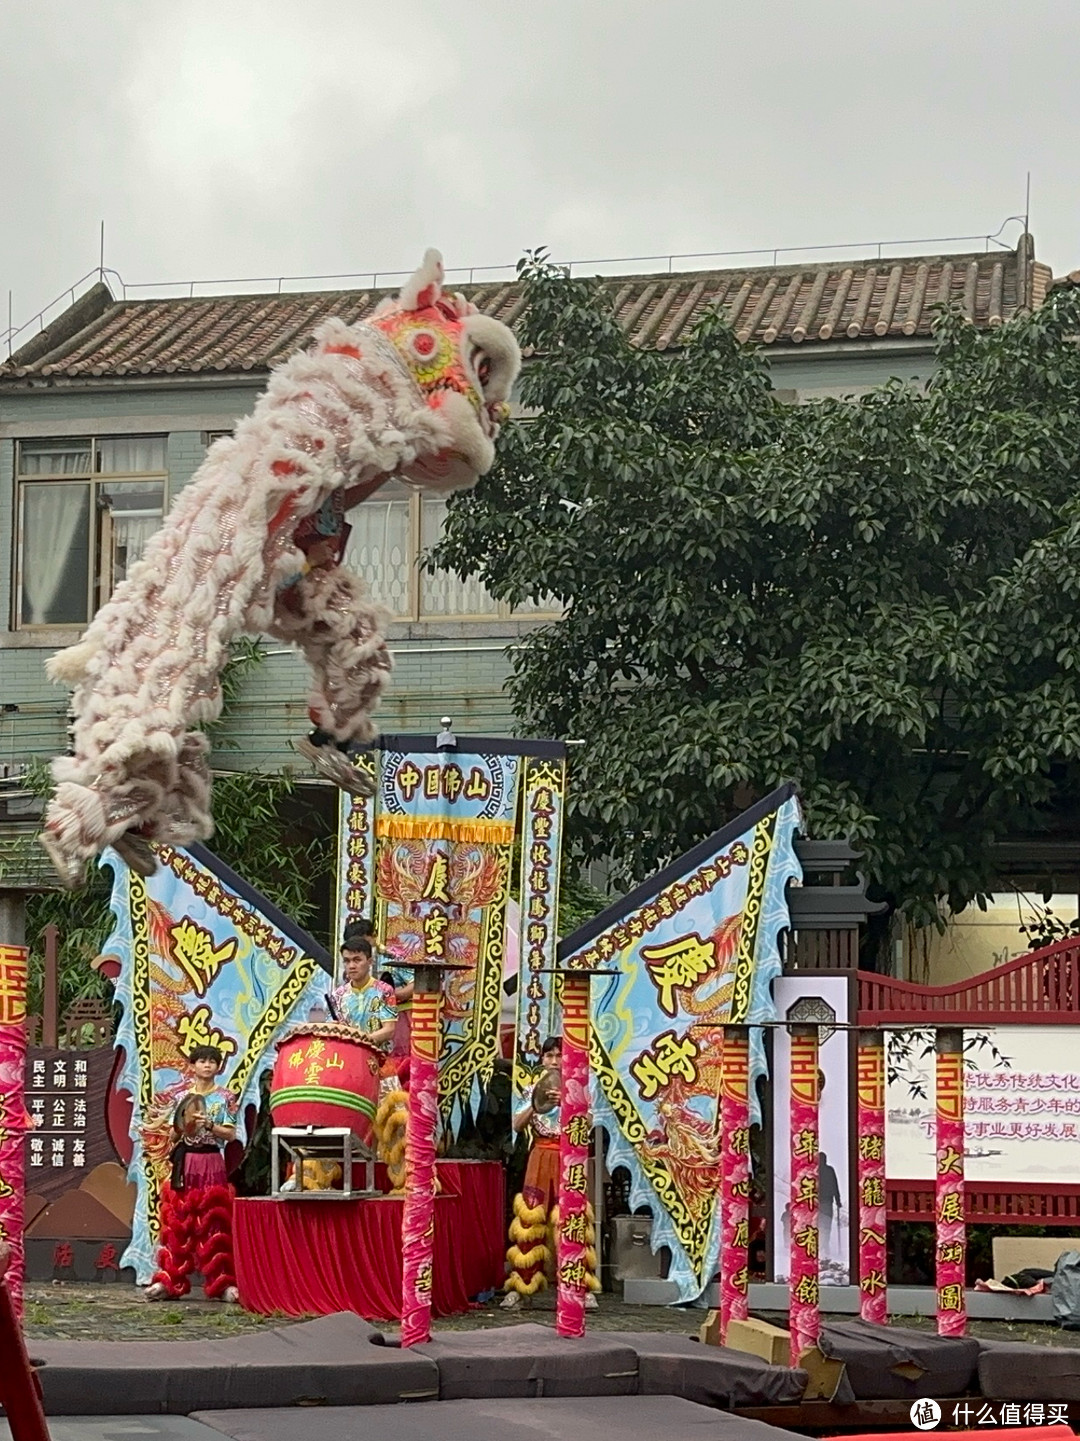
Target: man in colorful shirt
(364,1002)
(398,978)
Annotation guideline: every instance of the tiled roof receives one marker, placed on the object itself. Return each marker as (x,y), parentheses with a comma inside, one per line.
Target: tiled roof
(783,305)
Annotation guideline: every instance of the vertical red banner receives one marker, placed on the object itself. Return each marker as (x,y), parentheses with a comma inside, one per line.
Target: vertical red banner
(804,1320)
(951,1238)
(572,1244)
(873,1292)
(418,1219)
(13,972)
(734,1178)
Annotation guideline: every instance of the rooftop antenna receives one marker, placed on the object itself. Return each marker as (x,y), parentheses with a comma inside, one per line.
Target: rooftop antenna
(101,254)
(10,335)
(1027,206)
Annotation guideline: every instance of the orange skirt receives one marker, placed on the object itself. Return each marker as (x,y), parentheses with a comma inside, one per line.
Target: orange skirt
(541,1184)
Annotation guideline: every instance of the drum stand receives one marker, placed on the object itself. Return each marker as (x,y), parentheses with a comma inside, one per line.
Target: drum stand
(312,1143)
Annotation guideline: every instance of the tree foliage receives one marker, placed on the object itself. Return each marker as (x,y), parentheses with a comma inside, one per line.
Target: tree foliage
(874,597)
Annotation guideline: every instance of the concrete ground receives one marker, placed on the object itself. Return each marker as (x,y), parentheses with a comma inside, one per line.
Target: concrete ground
(89,1310)
(121,1313)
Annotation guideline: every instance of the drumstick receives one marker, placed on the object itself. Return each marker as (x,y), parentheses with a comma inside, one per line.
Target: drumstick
(331,1008)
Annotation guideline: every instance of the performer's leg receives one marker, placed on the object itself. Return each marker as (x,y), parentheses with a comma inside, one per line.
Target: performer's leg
(176,1252)
(214,1246)
(391,1124)
(333,620)
(185,815)
(529,1255)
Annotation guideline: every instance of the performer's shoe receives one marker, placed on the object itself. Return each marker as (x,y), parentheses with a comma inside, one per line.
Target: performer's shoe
(135,851)
(156,1292)
(510,1302)
(590,1302)
(72,873)
(231,1296)
(334,765)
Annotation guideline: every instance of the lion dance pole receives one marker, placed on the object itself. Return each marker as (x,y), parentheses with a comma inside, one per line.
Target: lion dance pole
(734,1178)
(418,1218)
(576,1235)
(805,1315)
(873,1292)
(951,1237)
(13,971)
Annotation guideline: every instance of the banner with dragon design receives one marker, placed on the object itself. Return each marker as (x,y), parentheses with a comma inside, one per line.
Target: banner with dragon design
(428,859)
(203,960)
(695,949)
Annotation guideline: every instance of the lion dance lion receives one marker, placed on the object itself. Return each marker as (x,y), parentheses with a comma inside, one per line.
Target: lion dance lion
(253,546)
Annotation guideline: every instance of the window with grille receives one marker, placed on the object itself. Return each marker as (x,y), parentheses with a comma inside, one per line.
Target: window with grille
(390,533)
(85,510)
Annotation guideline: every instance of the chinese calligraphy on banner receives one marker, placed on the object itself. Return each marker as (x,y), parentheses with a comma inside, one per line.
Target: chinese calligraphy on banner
(204,961)
(695,948)
(538,1012)
(428,859)
(1021,1107)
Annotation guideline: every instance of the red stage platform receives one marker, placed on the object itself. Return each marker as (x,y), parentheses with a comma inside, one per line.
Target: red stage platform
(304,1258)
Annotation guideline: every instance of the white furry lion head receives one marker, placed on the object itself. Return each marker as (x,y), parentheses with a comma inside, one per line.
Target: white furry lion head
(464,362)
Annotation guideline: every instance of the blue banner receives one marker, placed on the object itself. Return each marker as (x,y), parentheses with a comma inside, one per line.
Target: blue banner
(695,948)
(204,961)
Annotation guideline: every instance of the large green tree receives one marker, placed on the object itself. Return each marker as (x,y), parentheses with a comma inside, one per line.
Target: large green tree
(874,597)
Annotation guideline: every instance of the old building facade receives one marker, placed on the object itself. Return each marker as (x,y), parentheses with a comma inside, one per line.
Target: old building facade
(107,413)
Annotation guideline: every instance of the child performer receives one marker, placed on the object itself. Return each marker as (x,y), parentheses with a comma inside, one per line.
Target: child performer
(531,1257)
(196,1202)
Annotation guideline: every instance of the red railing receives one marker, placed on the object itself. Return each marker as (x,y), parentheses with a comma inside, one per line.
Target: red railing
(1043,987)
(1011,1204)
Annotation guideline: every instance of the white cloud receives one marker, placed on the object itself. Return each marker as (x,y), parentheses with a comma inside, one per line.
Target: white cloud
(243,138)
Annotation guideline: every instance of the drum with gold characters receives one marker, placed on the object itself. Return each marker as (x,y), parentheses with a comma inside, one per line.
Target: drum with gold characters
(326,1075)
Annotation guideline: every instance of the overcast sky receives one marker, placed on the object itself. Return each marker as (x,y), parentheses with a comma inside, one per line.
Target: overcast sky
(228,138)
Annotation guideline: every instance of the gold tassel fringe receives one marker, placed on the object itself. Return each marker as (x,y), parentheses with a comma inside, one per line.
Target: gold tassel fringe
(525,1288)
(525,1260)
(528,1215)
(526,1234)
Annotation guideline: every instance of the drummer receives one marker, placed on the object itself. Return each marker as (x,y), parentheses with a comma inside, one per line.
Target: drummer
(362,1001)
(399,978)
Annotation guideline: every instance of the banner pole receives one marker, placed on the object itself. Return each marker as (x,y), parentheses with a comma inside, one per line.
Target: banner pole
(418,1215)
(734,1178)
(804,1320)
(873,1285)
(951,1226)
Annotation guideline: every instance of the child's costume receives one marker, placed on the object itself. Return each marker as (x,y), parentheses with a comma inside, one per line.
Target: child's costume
(532,1253)
(196,1201)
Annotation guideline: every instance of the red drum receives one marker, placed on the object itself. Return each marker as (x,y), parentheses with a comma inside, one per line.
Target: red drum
(325,1075)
